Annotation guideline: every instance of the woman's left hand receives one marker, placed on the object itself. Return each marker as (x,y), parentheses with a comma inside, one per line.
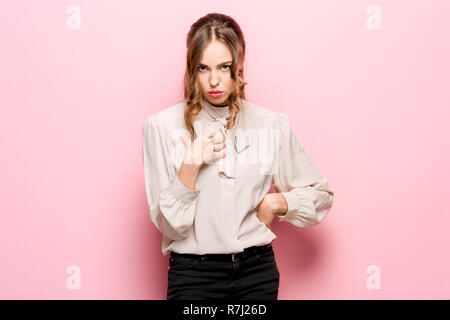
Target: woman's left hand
(267,208)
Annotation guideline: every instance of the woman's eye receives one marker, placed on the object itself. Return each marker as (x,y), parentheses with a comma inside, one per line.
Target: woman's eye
(227,66)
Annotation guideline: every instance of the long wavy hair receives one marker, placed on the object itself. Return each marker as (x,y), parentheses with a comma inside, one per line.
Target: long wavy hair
(213,26)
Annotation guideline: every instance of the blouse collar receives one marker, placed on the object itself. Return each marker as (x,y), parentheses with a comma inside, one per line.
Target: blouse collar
(219,114)
(235,143)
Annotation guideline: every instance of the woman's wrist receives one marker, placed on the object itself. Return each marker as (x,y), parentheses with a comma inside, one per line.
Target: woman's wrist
(188,175)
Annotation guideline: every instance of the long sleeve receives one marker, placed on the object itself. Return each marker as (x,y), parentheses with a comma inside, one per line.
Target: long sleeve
(307,193)
(172,205)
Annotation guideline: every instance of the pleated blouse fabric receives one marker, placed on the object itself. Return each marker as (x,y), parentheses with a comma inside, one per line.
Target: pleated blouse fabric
(220,215)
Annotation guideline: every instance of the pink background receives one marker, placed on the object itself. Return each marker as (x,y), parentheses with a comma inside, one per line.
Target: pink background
(370,107)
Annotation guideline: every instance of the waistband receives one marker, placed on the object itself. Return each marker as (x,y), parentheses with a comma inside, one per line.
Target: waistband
(248,252)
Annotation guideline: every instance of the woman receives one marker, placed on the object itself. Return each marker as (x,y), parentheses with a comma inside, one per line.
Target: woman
(209,162)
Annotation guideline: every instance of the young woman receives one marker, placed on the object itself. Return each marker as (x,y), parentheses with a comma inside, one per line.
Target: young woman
(209,162)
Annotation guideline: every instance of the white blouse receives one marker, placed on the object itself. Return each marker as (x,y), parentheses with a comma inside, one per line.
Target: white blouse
(220,215)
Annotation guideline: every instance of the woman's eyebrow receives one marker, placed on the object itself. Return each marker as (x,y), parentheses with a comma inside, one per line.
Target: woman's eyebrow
(202,64)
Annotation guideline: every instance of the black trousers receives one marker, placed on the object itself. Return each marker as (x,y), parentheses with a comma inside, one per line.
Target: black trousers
(251,274)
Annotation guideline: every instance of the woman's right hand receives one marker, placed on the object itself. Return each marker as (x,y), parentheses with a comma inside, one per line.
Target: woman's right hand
(205,147)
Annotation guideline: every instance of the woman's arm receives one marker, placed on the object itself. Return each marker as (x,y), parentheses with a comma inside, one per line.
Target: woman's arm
(305,190)
(188,175)
(171,204)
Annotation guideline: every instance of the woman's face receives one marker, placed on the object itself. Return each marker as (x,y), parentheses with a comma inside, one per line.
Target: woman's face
(214,73)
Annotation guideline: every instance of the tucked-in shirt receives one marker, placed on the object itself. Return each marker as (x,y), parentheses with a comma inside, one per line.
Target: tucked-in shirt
(220,214)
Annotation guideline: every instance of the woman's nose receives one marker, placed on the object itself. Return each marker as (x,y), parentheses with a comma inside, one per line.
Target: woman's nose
(214,80)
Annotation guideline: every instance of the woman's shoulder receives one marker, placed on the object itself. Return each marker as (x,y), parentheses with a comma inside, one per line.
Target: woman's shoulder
(254,109)
(173,113)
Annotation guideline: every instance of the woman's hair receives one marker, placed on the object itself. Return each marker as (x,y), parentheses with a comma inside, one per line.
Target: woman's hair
(214,26)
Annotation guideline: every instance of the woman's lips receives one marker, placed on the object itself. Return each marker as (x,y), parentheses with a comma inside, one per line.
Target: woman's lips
(215,94)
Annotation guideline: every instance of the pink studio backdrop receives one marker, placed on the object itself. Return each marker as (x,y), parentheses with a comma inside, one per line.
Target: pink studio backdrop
(369,106)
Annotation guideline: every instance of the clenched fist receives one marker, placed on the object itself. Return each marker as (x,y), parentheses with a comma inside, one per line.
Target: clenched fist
(206,147)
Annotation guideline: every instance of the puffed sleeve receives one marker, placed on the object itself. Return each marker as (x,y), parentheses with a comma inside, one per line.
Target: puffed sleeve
(308,196)
(172,205)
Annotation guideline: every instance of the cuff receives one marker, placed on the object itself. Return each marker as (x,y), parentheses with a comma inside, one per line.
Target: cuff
(182,193)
